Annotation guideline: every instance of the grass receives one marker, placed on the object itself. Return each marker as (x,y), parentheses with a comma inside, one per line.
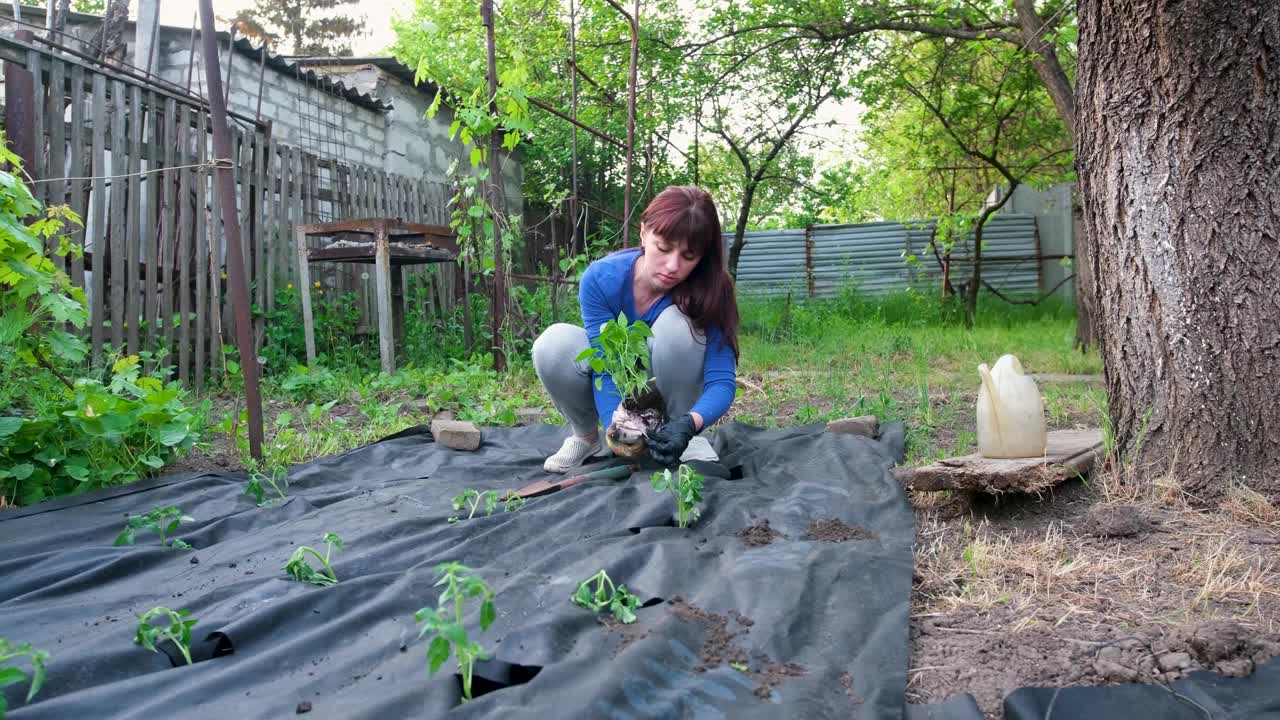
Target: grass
(902,357)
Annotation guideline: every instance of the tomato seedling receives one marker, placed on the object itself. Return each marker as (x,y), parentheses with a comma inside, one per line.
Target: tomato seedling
(12,675)
(616,600)
(473,499)
(623,355)
(163,520)
(299,569)
(686,487)
(459,583)
(278,481)
(178,630)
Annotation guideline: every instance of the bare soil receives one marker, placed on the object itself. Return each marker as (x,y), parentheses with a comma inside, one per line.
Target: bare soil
(758,534)
(833,530)
(1091,584)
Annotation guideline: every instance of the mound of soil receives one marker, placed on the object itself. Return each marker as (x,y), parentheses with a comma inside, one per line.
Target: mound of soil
(627,633)
(718,648)
(834,530)
(758,534)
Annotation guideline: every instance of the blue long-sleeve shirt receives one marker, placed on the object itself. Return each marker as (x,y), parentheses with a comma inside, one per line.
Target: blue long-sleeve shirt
(605,291)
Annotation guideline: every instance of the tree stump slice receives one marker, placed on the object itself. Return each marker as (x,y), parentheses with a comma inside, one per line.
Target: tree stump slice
(1069,453)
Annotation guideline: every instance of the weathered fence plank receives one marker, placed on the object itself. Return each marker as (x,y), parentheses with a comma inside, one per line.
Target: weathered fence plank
(119,197)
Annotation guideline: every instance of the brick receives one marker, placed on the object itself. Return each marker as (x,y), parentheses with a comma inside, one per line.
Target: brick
(868,425)
(530,416)
(456,434)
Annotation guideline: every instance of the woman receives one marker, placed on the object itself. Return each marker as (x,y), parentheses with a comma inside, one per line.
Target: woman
(676,282)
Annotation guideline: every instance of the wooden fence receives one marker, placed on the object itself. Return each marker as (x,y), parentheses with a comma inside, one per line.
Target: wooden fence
(134,158)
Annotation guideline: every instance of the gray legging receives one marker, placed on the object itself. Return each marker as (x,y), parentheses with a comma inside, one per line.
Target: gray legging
(676,355)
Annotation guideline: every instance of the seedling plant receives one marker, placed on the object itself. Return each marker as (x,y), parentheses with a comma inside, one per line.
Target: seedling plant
(624,355)
(163,520)
(178,630)
(472,499)
(606,596)
(12,676)
(686,487)
(446,626)
(278,481)
(299,569)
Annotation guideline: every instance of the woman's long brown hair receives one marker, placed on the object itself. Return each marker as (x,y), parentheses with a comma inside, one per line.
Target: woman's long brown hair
(687,215)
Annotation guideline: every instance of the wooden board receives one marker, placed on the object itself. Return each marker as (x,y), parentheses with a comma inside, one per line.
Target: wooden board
(1070,453)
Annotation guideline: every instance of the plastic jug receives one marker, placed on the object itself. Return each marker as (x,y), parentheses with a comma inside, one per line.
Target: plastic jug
(1010,412)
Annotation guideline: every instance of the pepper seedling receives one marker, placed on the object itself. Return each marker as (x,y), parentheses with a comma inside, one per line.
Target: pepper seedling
(686,487)
(178,630)
(616,600)
(473,499)
(163,520)
(299,569)
(459,583)
(12,675)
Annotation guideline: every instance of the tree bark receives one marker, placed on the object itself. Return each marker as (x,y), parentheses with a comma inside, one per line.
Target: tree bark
(740,229)
(1178,152)
(1046,63)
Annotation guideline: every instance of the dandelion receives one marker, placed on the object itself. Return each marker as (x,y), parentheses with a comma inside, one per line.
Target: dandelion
(321,292)
(289,286)
(317,283)
(224,276)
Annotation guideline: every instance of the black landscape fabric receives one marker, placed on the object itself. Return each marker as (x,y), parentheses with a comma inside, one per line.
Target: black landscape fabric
(776,623)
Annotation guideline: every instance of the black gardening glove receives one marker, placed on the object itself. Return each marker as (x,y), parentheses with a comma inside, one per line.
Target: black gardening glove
(668,443)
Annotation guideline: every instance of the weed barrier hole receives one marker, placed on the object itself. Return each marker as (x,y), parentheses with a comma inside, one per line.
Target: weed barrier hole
(669,522)
(493,675)
(215,644)
(652,601)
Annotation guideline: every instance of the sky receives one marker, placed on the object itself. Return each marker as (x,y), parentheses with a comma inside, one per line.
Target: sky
(838,142)
(378,15)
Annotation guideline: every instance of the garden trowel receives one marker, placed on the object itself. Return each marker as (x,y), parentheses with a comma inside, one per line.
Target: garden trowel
(545,487)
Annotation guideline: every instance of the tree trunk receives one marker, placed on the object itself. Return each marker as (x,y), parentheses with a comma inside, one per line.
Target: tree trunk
(1178,152)
(1045,61)
(740,229)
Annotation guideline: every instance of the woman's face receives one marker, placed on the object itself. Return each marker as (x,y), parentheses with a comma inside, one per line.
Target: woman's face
(666,264)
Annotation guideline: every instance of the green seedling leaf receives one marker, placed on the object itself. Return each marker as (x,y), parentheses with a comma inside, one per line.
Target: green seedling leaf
(605,596)
(445,622)
(297,567)
(173,626)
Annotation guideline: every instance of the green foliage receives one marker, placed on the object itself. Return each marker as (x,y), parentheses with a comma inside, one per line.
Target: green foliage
(473,499)
(10,675)
(305,27)
(163,521)
(102,435)
(299,569)
(686,488)
(447,628)
(623,354)
(605,596)
(336,319)
(276,478)
(177,631)
(36,298)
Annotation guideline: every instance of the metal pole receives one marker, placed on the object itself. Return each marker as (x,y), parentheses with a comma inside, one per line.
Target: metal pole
(631,117)
(497,202)
(231,225)
(573,59)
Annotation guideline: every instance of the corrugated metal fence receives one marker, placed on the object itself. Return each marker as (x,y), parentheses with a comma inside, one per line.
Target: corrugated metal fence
(873,257)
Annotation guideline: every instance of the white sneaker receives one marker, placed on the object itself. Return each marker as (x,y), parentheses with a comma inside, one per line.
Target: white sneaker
(571,454)
(699,449)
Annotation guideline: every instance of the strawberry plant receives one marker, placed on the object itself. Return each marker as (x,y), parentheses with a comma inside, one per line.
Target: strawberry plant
(13,676)
(605,596)
(299,569)
(445,622)
(177,631)
(163,520)
(473,499)
(686,487)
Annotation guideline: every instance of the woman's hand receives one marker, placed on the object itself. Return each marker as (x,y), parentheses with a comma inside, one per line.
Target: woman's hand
(668,443)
